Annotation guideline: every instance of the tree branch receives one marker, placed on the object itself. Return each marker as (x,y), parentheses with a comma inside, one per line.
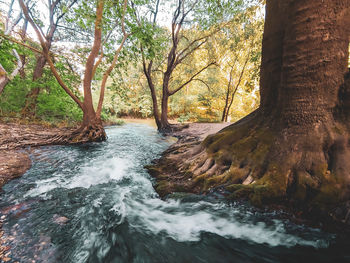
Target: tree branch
(19,64)
(114,62)
(3,78)
(20,43)
(191,79)
(183,55)
(206,84)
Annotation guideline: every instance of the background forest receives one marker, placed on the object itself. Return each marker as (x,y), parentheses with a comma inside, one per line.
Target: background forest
(217,80)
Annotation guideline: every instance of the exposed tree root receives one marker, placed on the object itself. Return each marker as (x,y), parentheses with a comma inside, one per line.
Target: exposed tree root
(304,169)
(14,136)
(89,133)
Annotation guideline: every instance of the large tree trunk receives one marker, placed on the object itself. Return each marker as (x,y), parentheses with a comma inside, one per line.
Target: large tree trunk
(295,148)
(91,128)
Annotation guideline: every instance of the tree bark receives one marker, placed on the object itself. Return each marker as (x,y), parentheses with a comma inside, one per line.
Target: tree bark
(164,123)
(92,124)
(148,71)
(223,117)
(29,108)
(3,79)
(228,91)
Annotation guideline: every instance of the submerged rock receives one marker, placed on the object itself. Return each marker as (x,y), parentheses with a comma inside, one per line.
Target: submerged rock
(61,220)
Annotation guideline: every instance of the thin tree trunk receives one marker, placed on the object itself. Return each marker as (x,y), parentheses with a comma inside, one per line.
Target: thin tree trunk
(23,35)
(237,86)
(225,107)
(113,64)
(3,78)
(147,73)
(29,108)
(228,90)
(164,123)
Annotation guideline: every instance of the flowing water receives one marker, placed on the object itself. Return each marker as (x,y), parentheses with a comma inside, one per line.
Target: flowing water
(96,203)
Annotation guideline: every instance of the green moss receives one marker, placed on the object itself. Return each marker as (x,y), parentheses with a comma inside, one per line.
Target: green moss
(163,187)
(240,144)
(225,138)
(153,170)
(256,194)
(330,193)
(180,188)
(215,180)
(244,191)
(261,195)
(234,187)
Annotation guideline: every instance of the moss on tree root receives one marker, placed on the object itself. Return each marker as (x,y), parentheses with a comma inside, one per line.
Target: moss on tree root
(254,163)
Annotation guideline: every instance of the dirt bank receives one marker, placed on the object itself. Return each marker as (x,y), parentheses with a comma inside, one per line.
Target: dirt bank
(14,160)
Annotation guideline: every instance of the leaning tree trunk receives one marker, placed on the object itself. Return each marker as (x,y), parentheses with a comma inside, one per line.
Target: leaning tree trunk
(155,107)
(147,71)
(295,148)
(164,123)
(32,97)
(223,117)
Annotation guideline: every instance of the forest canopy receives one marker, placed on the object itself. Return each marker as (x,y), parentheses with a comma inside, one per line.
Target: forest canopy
(217,78)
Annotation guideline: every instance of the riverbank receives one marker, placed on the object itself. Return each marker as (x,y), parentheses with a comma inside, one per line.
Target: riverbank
(169,179)
(16,140)
(102,191)
(171,176)
(14,159)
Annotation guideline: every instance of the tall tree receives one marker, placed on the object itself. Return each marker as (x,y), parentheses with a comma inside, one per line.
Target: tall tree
(295,147)
(56,9)
(179,52)
(91,128)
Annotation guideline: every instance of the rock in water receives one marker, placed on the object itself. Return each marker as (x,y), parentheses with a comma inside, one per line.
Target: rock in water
(61,220)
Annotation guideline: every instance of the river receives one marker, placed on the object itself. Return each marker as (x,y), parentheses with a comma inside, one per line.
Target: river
(96,203)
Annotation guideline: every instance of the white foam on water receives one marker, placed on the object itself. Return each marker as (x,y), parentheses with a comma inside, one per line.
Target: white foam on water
(154,215)
(100,173)
(95,173)
(137,203)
